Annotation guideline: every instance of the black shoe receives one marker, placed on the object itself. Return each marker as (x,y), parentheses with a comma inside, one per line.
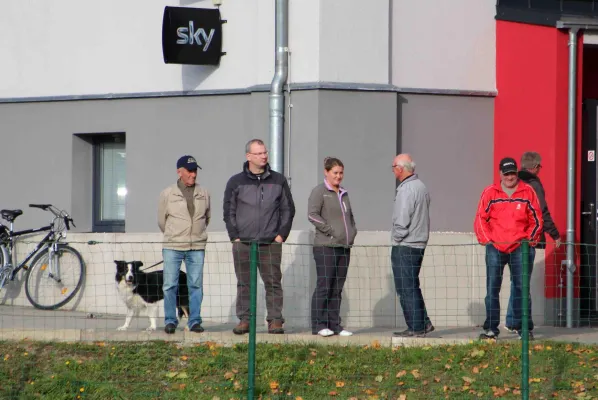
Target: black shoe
(429,328)
(488,334)
(170,328)
(196,328)
(530,335)
(410,333)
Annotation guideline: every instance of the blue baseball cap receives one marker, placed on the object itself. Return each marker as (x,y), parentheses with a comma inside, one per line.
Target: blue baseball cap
(187,162)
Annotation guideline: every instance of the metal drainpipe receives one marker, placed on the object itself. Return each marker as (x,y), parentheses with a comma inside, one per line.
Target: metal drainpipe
(278,82)
(571,148)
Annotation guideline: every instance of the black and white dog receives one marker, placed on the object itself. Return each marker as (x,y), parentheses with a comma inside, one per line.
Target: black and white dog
(141,290)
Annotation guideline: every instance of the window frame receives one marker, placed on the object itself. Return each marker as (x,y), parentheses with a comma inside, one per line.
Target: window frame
(99,225)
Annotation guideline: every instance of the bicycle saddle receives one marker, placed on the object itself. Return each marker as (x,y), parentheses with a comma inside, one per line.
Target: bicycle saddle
(10,215)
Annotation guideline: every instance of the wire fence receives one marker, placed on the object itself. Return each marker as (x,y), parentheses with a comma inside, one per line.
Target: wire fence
(375,304)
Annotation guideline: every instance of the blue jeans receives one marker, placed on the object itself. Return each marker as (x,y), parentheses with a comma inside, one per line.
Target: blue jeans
(495,264)
(172,265)
(511,321)
(406,264)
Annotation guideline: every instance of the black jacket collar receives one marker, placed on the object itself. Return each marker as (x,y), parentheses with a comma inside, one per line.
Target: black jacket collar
(251,175)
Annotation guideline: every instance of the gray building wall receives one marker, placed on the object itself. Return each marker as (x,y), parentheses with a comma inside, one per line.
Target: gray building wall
(450,137)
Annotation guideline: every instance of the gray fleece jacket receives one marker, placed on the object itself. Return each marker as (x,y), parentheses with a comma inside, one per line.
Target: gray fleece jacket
(332,215)
(411,214)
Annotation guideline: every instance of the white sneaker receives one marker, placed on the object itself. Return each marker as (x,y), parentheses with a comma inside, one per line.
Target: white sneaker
(345,333)
(325,332)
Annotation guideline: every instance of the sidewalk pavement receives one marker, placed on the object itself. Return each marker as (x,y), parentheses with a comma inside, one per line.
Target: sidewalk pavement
(18,323)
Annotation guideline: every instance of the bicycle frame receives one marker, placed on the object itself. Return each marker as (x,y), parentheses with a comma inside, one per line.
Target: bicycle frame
(43,243)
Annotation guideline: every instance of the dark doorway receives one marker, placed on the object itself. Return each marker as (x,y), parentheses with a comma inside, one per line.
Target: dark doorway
(588,265)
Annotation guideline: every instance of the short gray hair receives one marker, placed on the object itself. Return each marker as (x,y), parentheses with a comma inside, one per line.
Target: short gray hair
(407,165)
(530,159)
(253,141)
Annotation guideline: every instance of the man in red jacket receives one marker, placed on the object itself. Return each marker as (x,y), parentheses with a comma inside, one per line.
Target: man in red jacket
(508,213)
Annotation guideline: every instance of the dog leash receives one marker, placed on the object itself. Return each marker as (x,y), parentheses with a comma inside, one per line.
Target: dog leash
(151,266)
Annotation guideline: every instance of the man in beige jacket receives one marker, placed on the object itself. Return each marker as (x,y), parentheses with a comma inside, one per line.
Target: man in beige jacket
(183,216)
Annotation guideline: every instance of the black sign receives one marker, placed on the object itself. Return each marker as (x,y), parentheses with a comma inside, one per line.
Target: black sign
(191,36)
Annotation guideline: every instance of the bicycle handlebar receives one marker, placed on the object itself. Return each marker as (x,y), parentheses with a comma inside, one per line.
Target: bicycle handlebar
(57,213)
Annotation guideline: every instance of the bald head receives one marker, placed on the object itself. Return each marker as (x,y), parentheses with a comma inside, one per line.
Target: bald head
(403,166)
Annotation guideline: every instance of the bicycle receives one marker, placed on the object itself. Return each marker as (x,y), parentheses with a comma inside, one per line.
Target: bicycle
(50,259)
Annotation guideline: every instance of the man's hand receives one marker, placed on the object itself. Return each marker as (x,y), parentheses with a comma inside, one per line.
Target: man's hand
(557,243)
(278,239)
(237,240)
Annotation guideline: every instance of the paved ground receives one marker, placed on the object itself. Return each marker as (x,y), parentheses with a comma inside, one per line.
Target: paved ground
(24,322)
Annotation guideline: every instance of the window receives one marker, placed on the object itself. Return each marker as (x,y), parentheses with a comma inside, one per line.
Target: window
(109,182)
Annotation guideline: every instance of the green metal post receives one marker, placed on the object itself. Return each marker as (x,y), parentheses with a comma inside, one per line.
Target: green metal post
(525,321)
(252,311)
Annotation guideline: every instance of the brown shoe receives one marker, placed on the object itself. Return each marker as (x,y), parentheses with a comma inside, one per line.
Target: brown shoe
(242,328)
(275,327)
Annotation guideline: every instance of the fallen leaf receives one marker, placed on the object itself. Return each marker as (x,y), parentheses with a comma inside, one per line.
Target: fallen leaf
(415,373)
(516,391)
(447,366)
(548,348)
(401,373)
(468,379)
(311,362)
(273,385)
(379,378)
(229,375)
(332,393)
(235,371)
(376,344)
(401,383)
(436,379)
(171,374)
(340,384)
(424,383)
(237,385)
(182,375)
(476,370)
(298,398)
(182,386)
(403,397)
(184,358)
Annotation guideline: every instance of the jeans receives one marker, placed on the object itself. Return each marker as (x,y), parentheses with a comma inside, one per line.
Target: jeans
(269,259)
(194,260)
(332,264)
(495,263)
(511,321)
(406,264)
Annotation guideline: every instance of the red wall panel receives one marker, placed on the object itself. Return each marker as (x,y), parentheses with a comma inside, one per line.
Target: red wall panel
(531,113)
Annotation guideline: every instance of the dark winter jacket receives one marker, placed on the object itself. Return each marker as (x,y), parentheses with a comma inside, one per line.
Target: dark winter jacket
(258,208)
(549,226)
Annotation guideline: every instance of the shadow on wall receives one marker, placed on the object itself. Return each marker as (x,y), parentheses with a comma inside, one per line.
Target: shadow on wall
(400,101)
(387,312)
(193,75)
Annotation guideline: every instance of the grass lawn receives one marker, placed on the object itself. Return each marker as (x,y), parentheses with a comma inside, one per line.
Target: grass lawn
(158,370)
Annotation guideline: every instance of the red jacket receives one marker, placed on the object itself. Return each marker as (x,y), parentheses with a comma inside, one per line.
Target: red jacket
(504,221)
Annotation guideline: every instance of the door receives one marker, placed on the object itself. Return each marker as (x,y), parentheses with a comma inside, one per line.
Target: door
(588,268)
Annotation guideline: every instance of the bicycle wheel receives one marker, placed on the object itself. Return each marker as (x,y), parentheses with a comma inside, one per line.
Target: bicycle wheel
(49,290)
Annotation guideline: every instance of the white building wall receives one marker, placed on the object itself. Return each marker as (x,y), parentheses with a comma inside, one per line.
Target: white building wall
(89,47)
(444,44)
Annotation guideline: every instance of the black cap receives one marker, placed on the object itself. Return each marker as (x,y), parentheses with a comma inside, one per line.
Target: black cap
(507,165)
(187,162)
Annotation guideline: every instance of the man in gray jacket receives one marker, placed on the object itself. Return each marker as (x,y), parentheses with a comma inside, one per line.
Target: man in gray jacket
(410,233)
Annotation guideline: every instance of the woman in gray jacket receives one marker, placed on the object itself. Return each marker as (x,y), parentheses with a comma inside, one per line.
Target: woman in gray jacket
(329,210)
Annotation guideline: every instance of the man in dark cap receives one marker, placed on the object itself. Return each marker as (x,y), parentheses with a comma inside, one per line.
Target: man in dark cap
(183,217)
(508,212)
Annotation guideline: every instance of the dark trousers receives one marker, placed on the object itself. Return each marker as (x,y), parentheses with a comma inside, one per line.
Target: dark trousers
(406,264)
(495,264)
(269,259)
(332,264)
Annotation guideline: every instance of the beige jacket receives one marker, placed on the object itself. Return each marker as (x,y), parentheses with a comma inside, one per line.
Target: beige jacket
(180,231)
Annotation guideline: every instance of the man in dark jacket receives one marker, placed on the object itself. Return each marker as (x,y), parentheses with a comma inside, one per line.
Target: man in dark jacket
(258,207)
(531,165)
